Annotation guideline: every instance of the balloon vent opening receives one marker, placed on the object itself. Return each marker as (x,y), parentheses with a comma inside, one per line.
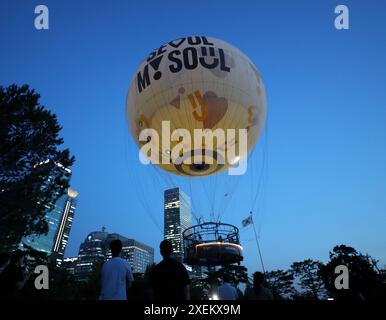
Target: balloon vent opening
(199,167)
(209,164)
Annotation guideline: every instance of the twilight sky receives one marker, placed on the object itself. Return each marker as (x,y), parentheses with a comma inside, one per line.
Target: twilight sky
(320,167)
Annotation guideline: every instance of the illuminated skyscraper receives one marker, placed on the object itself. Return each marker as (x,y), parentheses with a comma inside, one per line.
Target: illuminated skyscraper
(138,254)
(91,253)
(69,264)
(59,218)
(177,218)
(64,227)
(95,250)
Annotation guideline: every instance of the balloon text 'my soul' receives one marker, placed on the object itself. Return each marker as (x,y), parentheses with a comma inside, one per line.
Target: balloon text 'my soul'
(200,52)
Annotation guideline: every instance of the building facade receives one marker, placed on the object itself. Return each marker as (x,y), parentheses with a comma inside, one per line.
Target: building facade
(177,218)
(95,250)
(92,252)
(65,225)
(137,253)
(69,264)
(59,217)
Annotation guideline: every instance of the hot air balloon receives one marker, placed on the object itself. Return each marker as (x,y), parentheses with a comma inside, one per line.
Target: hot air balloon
(205,85)
(192,84)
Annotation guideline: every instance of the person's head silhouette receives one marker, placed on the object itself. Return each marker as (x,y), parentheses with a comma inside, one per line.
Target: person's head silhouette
(226,278)
(116,247)
(258,278)
(260,287)
(166,249)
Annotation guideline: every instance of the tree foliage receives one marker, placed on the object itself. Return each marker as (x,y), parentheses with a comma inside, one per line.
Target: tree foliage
(237,274)
(366,281)
(29,136)
(310,282)
(281,284)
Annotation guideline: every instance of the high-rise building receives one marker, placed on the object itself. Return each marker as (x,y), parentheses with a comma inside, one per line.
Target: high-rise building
(95,250)
(138,254)
(177,218)
(63,232)
(59,216)
(69,264)
(91,253)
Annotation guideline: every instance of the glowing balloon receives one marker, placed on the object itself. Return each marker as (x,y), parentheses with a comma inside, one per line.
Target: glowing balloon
(202,83)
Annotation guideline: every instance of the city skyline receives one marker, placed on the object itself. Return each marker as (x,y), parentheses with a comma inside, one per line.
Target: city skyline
(323,148)
(95,250)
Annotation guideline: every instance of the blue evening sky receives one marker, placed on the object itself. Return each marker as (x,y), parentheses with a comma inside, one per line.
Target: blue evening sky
(320,166)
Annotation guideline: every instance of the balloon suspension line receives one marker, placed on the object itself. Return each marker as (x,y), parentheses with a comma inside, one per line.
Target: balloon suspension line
(258,246)
(193,208)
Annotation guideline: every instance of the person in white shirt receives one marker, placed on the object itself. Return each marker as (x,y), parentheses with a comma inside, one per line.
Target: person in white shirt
(116,273)
(226,291)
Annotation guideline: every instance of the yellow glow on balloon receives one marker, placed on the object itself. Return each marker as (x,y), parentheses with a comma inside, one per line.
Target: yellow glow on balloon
(197,83)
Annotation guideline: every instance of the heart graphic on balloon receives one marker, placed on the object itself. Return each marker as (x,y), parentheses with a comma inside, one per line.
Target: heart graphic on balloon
(217,108)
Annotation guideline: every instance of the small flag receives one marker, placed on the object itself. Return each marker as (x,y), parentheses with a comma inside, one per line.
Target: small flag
(247,221)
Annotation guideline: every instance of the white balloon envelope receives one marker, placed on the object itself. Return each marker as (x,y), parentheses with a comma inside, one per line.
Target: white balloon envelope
(196,84)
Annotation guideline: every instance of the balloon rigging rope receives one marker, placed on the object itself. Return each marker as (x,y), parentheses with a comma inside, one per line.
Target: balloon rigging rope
(264,168)
(192,202)
(144,203)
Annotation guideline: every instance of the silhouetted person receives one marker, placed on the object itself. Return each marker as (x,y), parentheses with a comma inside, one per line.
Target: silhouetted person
(13,277)
(169,279)
(226,291)
(259,291)
(116,273)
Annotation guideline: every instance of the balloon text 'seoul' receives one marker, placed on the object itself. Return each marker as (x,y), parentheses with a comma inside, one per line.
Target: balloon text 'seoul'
(196,107)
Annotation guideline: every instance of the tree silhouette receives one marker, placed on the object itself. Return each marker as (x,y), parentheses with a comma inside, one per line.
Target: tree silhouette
(62,286)
(29,135)
(237,274)
(310,281)
(281,284)
(366,281)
